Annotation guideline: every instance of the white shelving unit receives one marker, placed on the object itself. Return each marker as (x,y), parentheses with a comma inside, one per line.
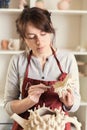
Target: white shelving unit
(71,30)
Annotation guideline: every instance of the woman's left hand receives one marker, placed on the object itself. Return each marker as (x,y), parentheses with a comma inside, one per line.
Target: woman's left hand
(67,99)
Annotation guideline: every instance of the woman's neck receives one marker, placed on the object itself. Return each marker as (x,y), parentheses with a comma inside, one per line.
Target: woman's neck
(43,57)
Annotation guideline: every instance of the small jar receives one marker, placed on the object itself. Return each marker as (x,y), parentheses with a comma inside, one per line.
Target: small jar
(39,4)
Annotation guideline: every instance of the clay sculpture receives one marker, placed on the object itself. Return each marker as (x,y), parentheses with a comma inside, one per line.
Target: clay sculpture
(62,86)
(46,119)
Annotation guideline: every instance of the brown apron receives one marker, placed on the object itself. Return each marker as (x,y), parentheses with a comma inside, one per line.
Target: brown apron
(49,98)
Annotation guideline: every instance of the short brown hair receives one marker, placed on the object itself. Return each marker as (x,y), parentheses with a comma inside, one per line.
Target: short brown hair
(40,18)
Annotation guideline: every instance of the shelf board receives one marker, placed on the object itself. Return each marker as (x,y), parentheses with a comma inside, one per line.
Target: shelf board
(79,52)
(77,12)
(18,52)
(10,10)
(74,52)
(15,10)
(83,103)
(10,52)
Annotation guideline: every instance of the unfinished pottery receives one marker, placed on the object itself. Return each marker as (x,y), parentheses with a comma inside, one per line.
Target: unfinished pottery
(46,119)
(62,86)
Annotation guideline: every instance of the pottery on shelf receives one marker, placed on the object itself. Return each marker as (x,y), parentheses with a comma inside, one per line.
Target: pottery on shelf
(63,5)
(4,44)
(39,4)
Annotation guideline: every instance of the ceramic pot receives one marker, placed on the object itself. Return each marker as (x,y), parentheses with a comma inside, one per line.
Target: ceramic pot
(4,44)
(14,44)
(63,5)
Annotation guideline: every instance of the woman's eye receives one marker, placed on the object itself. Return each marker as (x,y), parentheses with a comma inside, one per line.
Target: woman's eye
(31,36)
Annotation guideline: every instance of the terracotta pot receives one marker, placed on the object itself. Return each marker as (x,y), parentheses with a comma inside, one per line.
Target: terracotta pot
(4,44)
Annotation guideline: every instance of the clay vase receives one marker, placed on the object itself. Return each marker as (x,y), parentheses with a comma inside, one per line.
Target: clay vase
(63,5)
(39,4)
(14,44)
(4,44)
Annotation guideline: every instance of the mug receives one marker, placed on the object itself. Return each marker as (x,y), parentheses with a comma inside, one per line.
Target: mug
(14,44)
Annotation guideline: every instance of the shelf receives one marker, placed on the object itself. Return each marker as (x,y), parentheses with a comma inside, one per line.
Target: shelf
(75,52)
(77,12)
(83,103)
(10,52)
(18,52)
(10,10)
(79,52)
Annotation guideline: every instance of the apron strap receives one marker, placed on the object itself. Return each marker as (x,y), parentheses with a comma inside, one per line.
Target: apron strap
(58,63)
(63,74)
(28,59)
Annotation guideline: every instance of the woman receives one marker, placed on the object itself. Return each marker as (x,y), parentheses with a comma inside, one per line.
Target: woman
(43,65)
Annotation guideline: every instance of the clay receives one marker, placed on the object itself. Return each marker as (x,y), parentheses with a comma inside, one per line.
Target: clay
(46,119)
(62,86)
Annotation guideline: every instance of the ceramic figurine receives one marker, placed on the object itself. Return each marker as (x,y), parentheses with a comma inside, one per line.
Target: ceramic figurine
(46,119)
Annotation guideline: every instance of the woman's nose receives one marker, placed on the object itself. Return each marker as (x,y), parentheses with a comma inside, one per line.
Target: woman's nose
(38,39)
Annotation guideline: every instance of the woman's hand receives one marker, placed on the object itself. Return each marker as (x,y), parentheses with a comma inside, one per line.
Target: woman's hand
(67,99)
(35,92)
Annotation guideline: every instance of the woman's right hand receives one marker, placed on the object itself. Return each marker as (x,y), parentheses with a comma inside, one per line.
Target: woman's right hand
(35,92)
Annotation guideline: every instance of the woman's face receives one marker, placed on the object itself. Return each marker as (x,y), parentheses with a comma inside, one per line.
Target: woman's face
(37,40)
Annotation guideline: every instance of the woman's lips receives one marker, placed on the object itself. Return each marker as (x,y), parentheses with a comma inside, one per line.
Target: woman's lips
(40,48)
